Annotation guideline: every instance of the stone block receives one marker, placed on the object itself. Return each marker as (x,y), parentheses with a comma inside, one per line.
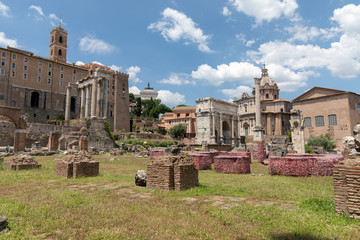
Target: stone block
(75,166)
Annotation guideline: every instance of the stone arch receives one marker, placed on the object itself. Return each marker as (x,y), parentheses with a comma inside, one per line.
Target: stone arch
(35,99)
(14,114)
(226,132)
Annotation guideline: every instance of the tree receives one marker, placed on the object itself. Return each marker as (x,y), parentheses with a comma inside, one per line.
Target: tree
(178,131)
(137,111)
(181,105)
(322,141)
(154,112)
(132,97)
(163,108)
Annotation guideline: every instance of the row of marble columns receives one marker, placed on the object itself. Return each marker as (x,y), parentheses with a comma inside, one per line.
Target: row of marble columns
(93,98)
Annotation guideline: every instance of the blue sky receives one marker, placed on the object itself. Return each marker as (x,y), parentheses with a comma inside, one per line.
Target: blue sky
(188,49)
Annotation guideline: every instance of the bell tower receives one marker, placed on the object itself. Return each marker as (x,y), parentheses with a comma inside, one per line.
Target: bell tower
(58,44)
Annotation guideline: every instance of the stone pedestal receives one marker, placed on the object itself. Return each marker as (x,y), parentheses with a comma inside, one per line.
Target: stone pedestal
(258,134)
(83,143)
(19,140)
(53,144)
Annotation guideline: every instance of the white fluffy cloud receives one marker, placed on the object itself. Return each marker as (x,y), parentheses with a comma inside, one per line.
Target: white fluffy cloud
(4,10)
(176,26)
(4,41)
(348,18)
(94,45)
(237,91)
(234,71)
(39,15)
(79,63)
(134,90)
(265,10)
(171,99)
(242,38)
(133,71)
(177,79)
(115,68)
(226,12)
(305,33)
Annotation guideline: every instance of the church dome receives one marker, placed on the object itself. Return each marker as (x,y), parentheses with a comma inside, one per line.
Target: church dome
(265,79)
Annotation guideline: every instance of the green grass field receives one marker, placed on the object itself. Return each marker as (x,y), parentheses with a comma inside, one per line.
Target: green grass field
(41,205)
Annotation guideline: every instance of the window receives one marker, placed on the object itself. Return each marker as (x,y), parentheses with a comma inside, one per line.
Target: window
(49,73)
(3,54)
(245,108)
(267,96)
(187,114)
(82,74)
(26,59)
(50,65)
(14,56)
(2,71)
(13,73)
(332,120)
(60,83)
(60,39)
(62,68)
(60,52)
(13,65)
(73,78)
(319,121)
(61,75)
(281,110)
(39,71)
(178,115)
(49,80)
(74,71)
(2,97)
(40,63)
(25,76)
(307,122)
(39,79)
(25,68)
(3,63)
(123,84)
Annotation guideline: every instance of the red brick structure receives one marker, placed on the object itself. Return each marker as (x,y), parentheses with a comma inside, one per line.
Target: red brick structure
(347,188)
(172,173)
(202,160)
(231,164)
(303,165)
(75,166)
(259,152)
(156,153)
(53,144)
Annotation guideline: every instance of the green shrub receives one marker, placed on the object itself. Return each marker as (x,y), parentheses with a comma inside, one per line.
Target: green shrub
(178,131)
(308,149)
(322,141)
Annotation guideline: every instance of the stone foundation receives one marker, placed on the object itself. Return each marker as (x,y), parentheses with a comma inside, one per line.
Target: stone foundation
(202,161)
(75,166)
(347,189)
(279,146)
(172,173)
(302,165)
(21,162)
(232,164)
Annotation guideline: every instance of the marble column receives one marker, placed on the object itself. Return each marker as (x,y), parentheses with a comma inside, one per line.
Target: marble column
(68,103)
(83,102)
(258,130)
(221,129)
(93,98)
(268,125)
(98,100)
(105,106)
(232,131)
(87,101)
(212,127)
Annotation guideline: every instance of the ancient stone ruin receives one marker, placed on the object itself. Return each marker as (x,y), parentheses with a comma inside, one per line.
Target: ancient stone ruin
(140,178)
(75,166)
(347,177)
(259,152)
(279,146)
(21,162)
(202,160)
(156,153)
(232,162)
(172,173)
(302,165)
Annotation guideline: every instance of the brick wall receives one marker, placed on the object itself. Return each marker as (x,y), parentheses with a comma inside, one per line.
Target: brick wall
(231,164)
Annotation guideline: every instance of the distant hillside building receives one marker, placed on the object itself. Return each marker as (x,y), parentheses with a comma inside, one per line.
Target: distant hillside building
(331,111)
(181,115)
(148,93)
(222,122)
(38,85)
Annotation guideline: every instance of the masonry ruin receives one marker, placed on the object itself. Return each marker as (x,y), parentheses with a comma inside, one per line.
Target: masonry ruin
(172,173)
(21,162)
(226,163)
(347,177)
(75,166)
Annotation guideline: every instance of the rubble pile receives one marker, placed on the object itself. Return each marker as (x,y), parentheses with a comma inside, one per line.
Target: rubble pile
(21,162)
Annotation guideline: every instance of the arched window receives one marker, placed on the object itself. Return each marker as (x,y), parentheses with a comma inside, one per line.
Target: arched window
(60,52)
(35,99)
(281,110)
(60,39)
(267,96)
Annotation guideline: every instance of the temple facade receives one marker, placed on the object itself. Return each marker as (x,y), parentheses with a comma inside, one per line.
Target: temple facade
(223,122)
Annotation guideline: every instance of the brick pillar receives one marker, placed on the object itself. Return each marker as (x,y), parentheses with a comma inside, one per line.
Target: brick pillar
(19,140)
(53,144)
